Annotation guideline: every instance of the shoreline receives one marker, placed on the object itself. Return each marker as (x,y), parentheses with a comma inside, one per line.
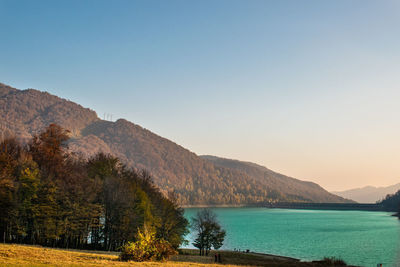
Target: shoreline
(217,206)
(267,255)
(251,253)
(275,256)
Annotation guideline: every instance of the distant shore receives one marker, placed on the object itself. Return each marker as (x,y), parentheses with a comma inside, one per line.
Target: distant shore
(217,206)
(300,205)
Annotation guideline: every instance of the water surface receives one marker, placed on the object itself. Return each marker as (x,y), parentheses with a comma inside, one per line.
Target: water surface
(359,237)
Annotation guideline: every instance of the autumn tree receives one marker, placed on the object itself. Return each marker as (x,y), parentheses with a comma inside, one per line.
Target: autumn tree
(173,225)
(9,154)
(51,197)
(49,150)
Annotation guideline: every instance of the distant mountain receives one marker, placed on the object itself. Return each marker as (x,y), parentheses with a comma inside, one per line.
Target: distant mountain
(368,194)
(196,180)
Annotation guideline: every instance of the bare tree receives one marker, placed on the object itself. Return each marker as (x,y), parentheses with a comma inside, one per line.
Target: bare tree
(208,230)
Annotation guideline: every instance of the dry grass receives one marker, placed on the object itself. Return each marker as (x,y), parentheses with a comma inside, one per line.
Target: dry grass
(23,255)
(20,255)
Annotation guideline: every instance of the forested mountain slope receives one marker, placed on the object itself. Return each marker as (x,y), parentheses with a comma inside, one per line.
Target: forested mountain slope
(282,185)
(196,180)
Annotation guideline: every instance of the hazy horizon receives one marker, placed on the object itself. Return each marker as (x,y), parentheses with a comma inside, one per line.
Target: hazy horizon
(309,89)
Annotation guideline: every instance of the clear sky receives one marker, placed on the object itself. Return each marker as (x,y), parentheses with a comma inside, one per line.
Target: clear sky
(307,88)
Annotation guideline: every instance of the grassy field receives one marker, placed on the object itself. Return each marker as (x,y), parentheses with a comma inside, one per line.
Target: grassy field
(22,255)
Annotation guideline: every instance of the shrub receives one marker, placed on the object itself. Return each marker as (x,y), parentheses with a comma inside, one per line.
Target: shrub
(147,248)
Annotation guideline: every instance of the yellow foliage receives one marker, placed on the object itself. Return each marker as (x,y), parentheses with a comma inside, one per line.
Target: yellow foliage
(147,248)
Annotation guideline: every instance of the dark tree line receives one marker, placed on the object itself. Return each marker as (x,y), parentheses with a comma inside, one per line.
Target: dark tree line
(51,197)
(391,202)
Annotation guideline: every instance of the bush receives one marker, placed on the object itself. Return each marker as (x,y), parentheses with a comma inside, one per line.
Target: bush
(147,248)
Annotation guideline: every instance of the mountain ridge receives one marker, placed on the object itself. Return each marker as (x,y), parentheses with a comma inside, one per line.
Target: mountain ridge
(261,173)
(368,194)
(196,180)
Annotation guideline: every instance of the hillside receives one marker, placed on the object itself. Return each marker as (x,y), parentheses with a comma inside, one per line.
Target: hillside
(294,189)
(26,112)
(196,180)
(368,194)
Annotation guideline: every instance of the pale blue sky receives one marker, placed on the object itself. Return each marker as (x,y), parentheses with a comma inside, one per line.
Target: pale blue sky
(307,88)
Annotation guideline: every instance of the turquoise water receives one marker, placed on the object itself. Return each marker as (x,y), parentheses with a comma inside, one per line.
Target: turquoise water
(358,237)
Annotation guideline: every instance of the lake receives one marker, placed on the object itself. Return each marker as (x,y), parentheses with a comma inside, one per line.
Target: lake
(362,238)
